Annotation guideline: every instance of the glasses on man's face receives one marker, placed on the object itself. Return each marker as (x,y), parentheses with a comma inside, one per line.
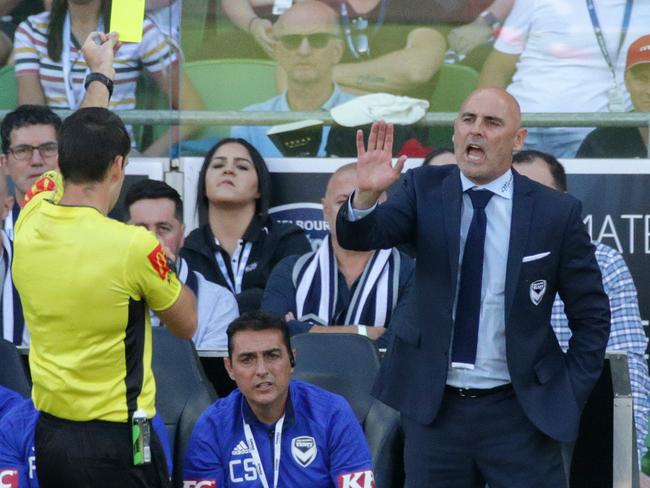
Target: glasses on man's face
(317,41)
(25,151)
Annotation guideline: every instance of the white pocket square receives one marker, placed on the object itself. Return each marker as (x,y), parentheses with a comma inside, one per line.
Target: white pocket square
(535,257)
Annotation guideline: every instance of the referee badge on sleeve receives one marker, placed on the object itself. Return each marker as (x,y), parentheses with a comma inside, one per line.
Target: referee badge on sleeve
(158,261)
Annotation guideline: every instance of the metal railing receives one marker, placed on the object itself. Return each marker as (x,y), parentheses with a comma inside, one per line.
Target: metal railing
(431,119)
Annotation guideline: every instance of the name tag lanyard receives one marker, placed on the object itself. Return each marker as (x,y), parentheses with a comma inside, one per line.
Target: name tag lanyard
(277,451)
(616,95)
(243,253)
(73,103)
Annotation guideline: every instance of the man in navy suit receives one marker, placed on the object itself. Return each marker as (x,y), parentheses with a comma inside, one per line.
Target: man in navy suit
(485,392)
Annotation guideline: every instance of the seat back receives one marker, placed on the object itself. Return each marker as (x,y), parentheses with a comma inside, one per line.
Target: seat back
(8,89)
(182,391)
(347,364)
(231,84)
(12,372)
(453,83)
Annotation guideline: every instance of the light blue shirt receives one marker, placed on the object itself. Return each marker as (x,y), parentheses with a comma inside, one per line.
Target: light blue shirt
(491,368)
(256,134)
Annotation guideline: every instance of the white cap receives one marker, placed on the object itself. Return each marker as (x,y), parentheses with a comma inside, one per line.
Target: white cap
(379,106)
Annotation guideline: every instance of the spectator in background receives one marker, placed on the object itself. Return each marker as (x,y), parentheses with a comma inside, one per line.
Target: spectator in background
(272,428)
(157,207)
(626,332)
(308,45)
(29,149)
(166,14)
(483,29)
(440,157)
(378,58)
(551,60)
(238,244)
(626,142)
(369,285)
(12,12)
(51,70)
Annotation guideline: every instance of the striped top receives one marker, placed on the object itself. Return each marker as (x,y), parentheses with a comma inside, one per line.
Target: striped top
(154,53)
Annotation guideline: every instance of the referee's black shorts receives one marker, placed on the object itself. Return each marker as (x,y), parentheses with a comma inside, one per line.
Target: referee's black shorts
(93,454)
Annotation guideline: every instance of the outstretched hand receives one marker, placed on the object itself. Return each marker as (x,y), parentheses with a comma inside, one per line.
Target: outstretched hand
(375,171)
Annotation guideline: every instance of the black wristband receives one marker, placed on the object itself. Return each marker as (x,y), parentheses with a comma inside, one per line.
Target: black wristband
(103,79)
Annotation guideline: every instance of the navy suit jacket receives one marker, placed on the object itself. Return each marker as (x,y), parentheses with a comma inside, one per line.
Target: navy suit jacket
(551,386)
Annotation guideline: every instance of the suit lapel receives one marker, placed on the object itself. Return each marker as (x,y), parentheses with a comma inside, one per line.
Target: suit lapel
(452,204)
(522,208)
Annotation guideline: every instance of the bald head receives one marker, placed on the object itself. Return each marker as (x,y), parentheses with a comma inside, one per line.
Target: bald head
(306,15)
(486,132)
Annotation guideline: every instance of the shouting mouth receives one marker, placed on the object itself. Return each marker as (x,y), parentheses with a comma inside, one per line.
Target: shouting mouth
(474,152)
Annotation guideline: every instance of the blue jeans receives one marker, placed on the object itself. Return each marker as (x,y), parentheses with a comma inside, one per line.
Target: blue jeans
(561,142)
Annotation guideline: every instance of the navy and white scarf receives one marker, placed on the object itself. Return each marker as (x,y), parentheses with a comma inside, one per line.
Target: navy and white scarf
(13,322)
(315,277)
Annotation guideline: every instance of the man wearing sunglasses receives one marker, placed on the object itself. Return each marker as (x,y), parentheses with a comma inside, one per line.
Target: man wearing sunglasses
(308,45)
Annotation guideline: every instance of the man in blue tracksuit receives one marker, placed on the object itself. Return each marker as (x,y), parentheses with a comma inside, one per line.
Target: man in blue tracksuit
(271,431)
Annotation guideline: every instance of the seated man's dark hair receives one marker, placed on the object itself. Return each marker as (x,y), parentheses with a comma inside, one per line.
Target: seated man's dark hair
(153,189)
(257,321)
(89,141)
(24,116)
(555,167)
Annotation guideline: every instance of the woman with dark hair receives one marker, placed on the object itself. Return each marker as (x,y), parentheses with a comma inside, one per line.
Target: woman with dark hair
(51,70)
(237,243)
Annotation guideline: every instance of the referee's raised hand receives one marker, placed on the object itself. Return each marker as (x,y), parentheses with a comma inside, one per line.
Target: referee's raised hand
(99,52)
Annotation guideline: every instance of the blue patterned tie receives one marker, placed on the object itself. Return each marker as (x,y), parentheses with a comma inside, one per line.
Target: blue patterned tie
(468,308)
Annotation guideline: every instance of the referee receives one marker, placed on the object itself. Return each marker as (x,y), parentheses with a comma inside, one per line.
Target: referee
(86,282)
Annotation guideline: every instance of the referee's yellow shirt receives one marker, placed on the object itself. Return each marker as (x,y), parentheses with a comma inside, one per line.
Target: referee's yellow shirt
(85,282)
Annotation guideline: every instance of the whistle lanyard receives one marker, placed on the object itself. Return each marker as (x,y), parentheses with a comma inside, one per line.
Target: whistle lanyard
(277,451)
(598,31)
(70,95)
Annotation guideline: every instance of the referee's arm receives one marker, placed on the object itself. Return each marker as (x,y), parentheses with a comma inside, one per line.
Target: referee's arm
(180,318)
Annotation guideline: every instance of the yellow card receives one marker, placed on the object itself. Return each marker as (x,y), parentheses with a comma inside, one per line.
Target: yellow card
(127,17)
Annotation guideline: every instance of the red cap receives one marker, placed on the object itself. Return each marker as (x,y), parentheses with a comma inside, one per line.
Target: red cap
(639,52)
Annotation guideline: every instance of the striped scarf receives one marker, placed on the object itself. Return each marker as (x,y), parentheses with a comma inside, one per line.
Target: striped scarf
(315,277)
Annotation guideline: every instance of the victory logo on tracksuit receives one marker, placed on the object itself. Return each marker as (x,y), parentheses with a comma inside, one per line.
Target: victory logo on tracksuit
(303,450)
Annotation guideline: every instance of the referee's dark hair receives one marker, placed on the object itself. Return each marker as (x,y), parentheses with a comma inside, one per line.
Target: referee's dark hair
(258,320)
(89,141)
(554,166)
(24,116)
(151,190)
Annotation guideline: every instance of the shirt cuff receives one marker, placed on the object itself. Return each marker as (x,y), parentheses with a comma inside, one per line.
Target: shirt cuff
(298,327)
(355,214)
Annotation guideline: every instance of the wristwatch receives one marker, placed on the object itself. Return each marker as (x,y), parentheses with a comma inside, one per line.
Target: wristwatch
(492,21)
(103,79)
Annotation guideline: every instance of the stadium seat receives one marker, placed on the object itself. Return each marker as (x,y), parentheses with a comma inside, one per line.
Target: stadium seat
(8,90)
(232,84)
(12,373)
(453,83)
(348,364)
(182,391)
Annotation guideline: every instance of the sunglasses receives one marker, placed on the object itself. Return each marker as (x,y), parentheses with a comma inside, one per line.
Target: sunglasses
(316,41)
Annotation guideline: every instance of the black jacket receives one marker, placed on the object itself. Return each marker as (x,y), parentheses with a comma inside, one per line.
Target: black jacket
(271,241)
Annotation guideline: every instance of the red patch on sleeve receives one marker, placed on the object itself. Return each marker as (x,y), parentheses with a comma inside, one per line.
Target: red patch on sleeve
(44,184)
(158,261)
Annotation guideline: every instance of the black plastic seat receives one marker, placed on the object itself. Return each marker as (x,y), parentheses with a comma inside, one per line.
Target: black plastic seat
(13,374)
(182,391)
(347,364)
